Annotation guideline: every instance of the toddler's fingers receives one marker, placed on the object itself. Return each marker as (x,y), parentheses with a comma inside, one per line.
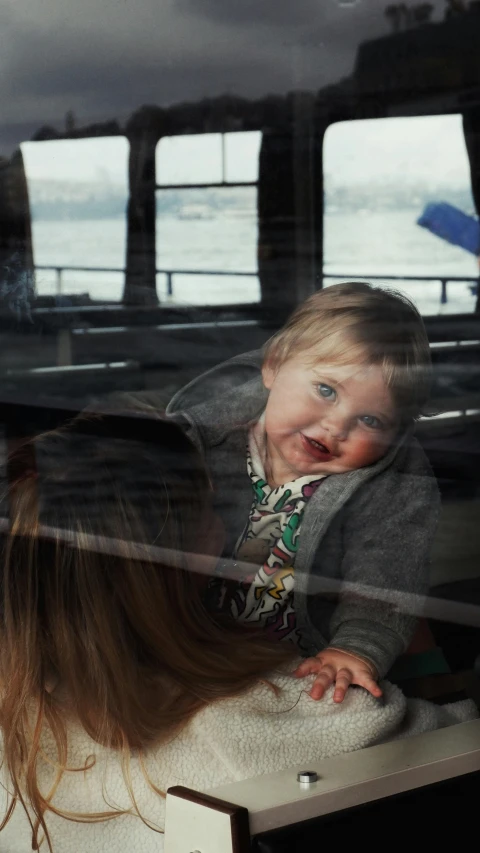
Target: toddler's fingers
(306,667)
(371,685)
(322,682)
(342,683)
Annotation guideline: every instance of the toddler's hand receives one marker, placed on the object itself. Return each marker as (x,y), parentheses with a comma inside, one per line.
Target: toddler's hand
(341,668)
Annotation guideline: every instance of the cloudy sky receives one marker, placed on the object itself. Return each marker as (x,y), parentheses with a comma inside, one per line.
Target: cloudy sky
(105,58)
(430,149)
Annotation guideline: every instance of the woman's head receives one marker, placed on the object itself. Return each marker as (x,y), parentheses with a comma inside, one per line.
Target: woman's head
(92,621)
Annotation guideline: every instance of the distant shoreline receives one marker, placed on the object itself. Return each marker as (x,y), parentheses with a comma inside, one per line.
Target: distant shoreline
(75,215)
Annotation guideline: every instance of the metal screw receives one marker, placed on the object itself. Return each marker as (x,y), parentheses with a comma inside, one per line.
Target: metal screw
(307,777)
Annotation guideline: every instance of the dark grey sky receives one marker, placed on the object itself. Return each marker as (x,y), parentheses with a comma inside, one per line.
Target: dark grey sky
(105,58)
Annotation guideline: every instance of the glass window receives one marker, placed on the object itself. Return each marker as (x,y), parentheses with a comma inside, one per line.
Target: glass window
(207,218)
(189,159)
(379,176)
(233,198)
(78,191)
(242,151)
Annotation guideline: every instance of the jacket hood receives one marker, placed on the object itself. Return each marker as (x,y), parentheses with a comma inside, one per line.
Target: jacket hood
(229,395)
(220,380)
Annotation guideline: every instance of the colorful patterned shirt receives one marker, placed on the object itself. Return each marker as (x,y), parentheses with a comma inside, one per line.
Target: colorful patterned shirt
(271,539)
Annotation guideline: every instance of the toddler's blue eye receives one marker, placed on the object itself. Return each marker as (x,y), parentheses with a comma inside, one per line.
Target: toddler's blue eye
(327,392)
(371,421)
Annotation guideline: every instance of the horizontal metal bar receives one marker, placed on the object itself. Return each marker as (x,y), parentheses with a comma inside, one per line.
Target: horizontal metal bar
(213,186)
(104,307)
(75,368)
(168,327)
(78,269)
(248,274)
(404,277)
(450,345)
(376,277)
(209,272)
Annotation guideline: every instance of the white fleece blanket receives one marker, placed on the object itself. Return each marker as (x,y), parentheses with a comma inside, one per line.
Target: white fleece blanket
(231,740)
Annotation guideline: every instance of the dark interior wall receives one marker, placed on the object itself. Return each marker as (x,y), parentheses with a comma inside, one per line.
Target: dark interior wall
(16,256)
(290,209)
(471,129)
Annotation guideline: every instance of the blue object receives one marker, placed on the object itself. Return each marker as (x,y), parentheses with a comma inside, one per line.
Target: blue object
(453,225)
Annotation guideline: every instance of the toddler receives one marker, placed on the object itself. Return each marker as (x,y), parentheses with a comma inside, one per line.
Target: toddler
(320,483)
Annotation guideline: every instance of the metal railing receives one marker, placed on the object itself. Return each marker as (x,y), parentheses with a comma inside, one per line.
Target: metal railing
(60,269)
(168,273)
(171,273)
(442,280)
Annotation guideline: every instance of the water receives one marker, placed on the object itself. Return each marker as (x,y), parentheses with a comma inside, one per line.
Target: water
(82,243)
(389,242)
(222,244)
(356,244)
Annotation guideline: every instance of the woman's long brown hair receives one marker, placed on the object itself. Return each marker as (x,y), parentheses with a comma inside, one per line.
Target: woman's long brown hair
(126,640)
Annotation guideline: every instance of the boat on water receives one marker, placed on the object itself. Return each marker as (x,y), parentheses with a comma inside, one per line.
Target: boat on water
(195,213)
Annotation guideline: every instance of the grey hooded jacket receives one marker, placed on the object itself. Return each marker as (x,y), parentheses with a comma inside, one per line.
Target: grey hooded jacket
(362,558)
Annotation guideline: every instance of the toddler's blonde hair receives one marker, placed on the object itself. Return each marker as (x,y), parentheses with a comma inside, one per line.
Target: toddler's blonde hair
(357,323)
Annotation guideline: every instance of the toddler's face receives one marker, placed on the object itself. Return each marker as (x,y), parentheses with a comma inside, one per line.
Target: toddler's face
(326,419)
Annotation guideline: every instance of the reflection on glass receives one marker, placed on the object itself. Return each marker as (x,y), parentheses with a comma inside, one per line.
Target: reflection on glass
(78,190)
(379,175)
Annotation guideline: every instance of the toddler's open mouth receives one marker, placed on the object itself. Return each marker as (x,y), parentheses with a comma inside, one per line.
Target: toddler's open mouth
(316,449)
